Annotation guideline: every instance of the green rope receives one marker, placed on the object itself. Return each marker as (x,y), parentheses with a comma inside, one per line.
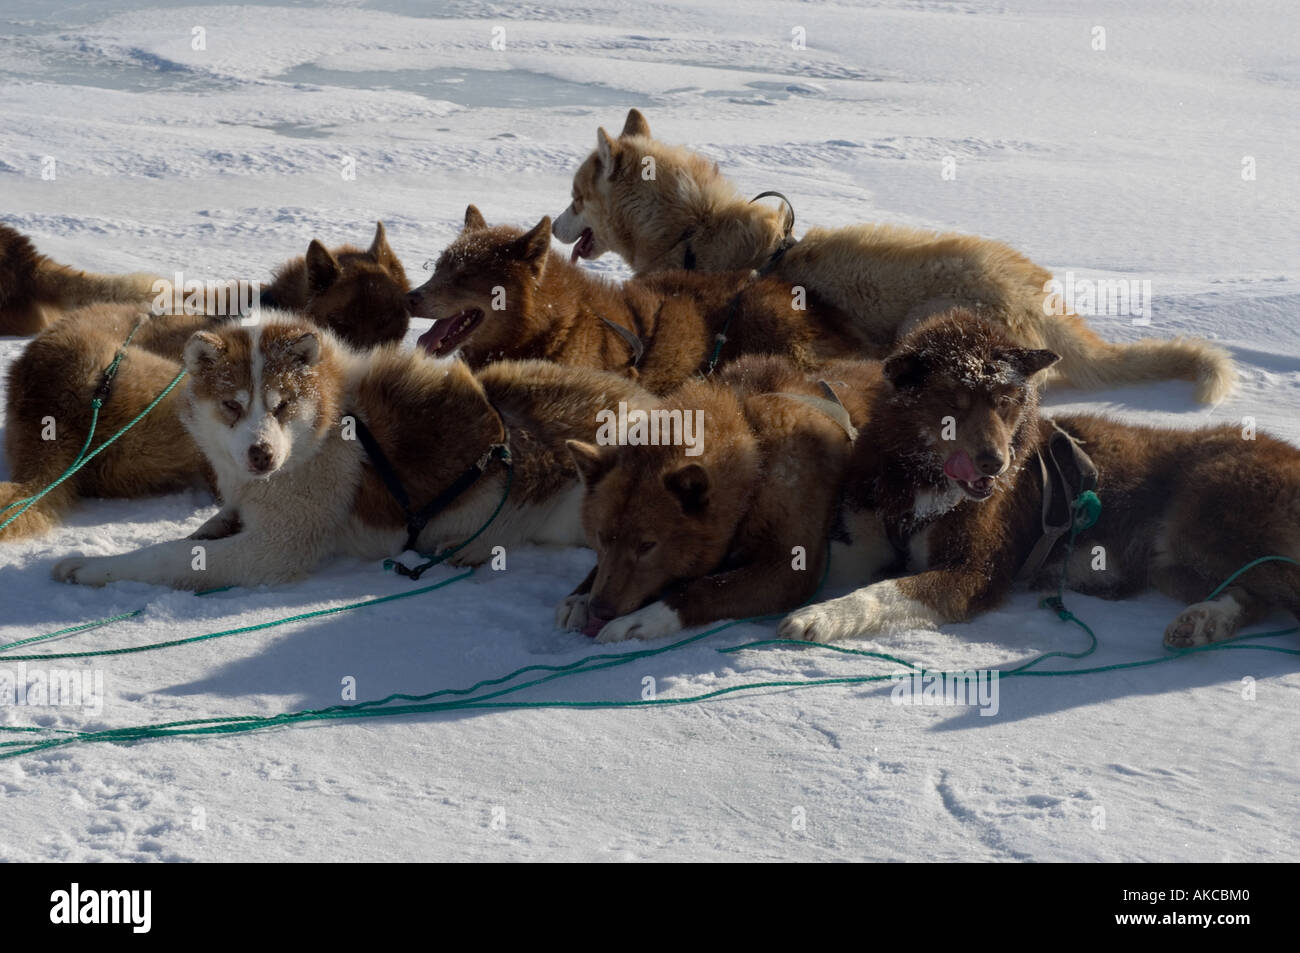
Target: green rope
(82,457)
(151,646)
(1086,506)
(424,704)
(432,560)
(84,627)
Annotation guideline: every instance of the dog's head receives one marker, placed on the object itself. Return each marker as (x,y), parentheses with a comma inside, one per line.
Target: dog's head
(358,295)
(261,398)
(654,518)
(964,400)
(482,289)
(635,197)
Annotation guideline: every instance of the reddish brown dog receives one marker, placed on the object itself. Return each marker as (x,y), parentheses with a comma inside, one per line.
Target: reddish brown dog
(731,524)
(500,293)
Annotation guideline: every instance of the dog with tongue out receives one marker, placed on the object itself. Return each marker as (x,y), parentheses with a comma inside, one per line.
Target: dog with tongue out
(958,489)
(977,482)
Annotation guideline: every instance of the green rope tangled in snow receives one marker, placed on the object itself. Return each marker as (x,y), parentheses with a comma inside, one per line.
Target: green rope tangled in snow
(1087,509)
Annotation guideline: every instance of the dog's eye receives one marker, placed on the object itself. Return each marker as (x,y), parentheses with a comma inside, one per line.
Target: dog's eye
(234,406)
(281,408)
(645,547)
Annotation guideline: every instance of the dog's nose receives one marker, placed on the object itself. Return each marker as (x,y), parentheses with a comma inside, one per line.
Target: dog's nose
(990,463)
(413,299)
(259,457)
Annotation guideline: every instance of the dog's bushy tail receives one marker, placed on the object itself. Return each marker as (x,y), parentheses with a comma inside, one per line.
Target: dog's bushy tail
(1089,363)
(39,518)
(35,291)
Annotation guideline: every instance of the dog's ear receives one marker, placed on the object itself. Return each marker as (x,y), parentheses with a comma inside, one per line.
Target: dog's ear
(591,461)
(379,250)
(607,151)
(474,219)
(535,244)
(905,370)
(1029,361)
(202,350)
(690,485)
(635,125)
(306,348)
(322,269)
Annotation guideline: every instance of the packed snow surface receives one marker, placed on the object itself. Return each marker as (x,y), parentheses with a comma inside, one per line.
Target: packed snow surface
(212,139)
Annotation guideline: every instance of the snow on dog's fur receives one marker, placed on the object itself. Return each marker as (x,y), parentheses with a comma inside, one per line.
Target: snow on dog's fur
(685,540)
(887,277)
(502,293)
(269,407)
(946,487)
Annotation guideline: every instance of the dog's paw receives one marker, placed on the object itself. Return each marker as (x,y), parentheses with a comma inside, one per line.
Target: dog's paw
(571,614)
(653,622)
(824,622)
(1201,624)
(83,570)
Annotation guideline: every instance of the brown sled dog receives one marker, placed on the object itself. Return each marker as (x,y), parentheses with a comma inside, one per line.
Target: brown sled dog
(359,295)
(499,293)
(278,410)
(946,484)
(334,286)
(887,277)
(35,291)
(731,524)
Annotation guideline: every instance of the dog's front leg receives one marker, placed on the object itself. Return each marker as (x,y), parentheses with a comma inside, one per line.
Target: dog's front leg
(571,614)
(753,590)
(244,559)
(224,523)
(928,598)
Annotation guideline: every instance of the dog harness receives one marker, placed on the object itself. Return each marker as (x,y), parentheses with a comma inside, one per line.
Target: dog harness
(630,338)
(417,520)
(828,405)
(1070,474)
(787,242)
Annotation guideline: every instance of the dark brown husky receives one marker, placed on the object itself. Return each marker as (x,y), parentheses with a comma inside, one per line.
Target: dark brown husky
(947,486)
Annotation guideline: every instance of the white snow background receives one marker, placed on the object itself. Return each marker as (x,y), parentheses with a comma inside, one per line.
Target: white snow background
(1123,162)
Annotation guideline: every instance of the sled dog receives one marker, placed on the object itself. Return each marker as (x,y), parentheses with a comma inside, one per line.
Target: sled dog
(736,530)
(948,486)
(499,293)
(687,215)
(311,443)
(361,296)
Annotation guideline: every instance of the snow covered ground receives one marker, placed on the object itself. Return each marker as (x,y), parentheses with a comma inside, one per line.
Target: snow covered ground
(1131,161)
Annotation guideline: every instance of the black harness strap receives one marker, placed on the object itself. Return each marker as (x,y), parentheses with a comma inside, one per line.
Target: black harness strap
(774,259)
(630,338)
(828,406)
(416,521)
(772,193)
(1071,473)
(788,241)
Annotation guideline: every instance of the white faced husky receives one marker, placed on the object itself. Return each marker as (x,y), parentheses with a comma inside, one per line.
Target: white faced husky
(319,450)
